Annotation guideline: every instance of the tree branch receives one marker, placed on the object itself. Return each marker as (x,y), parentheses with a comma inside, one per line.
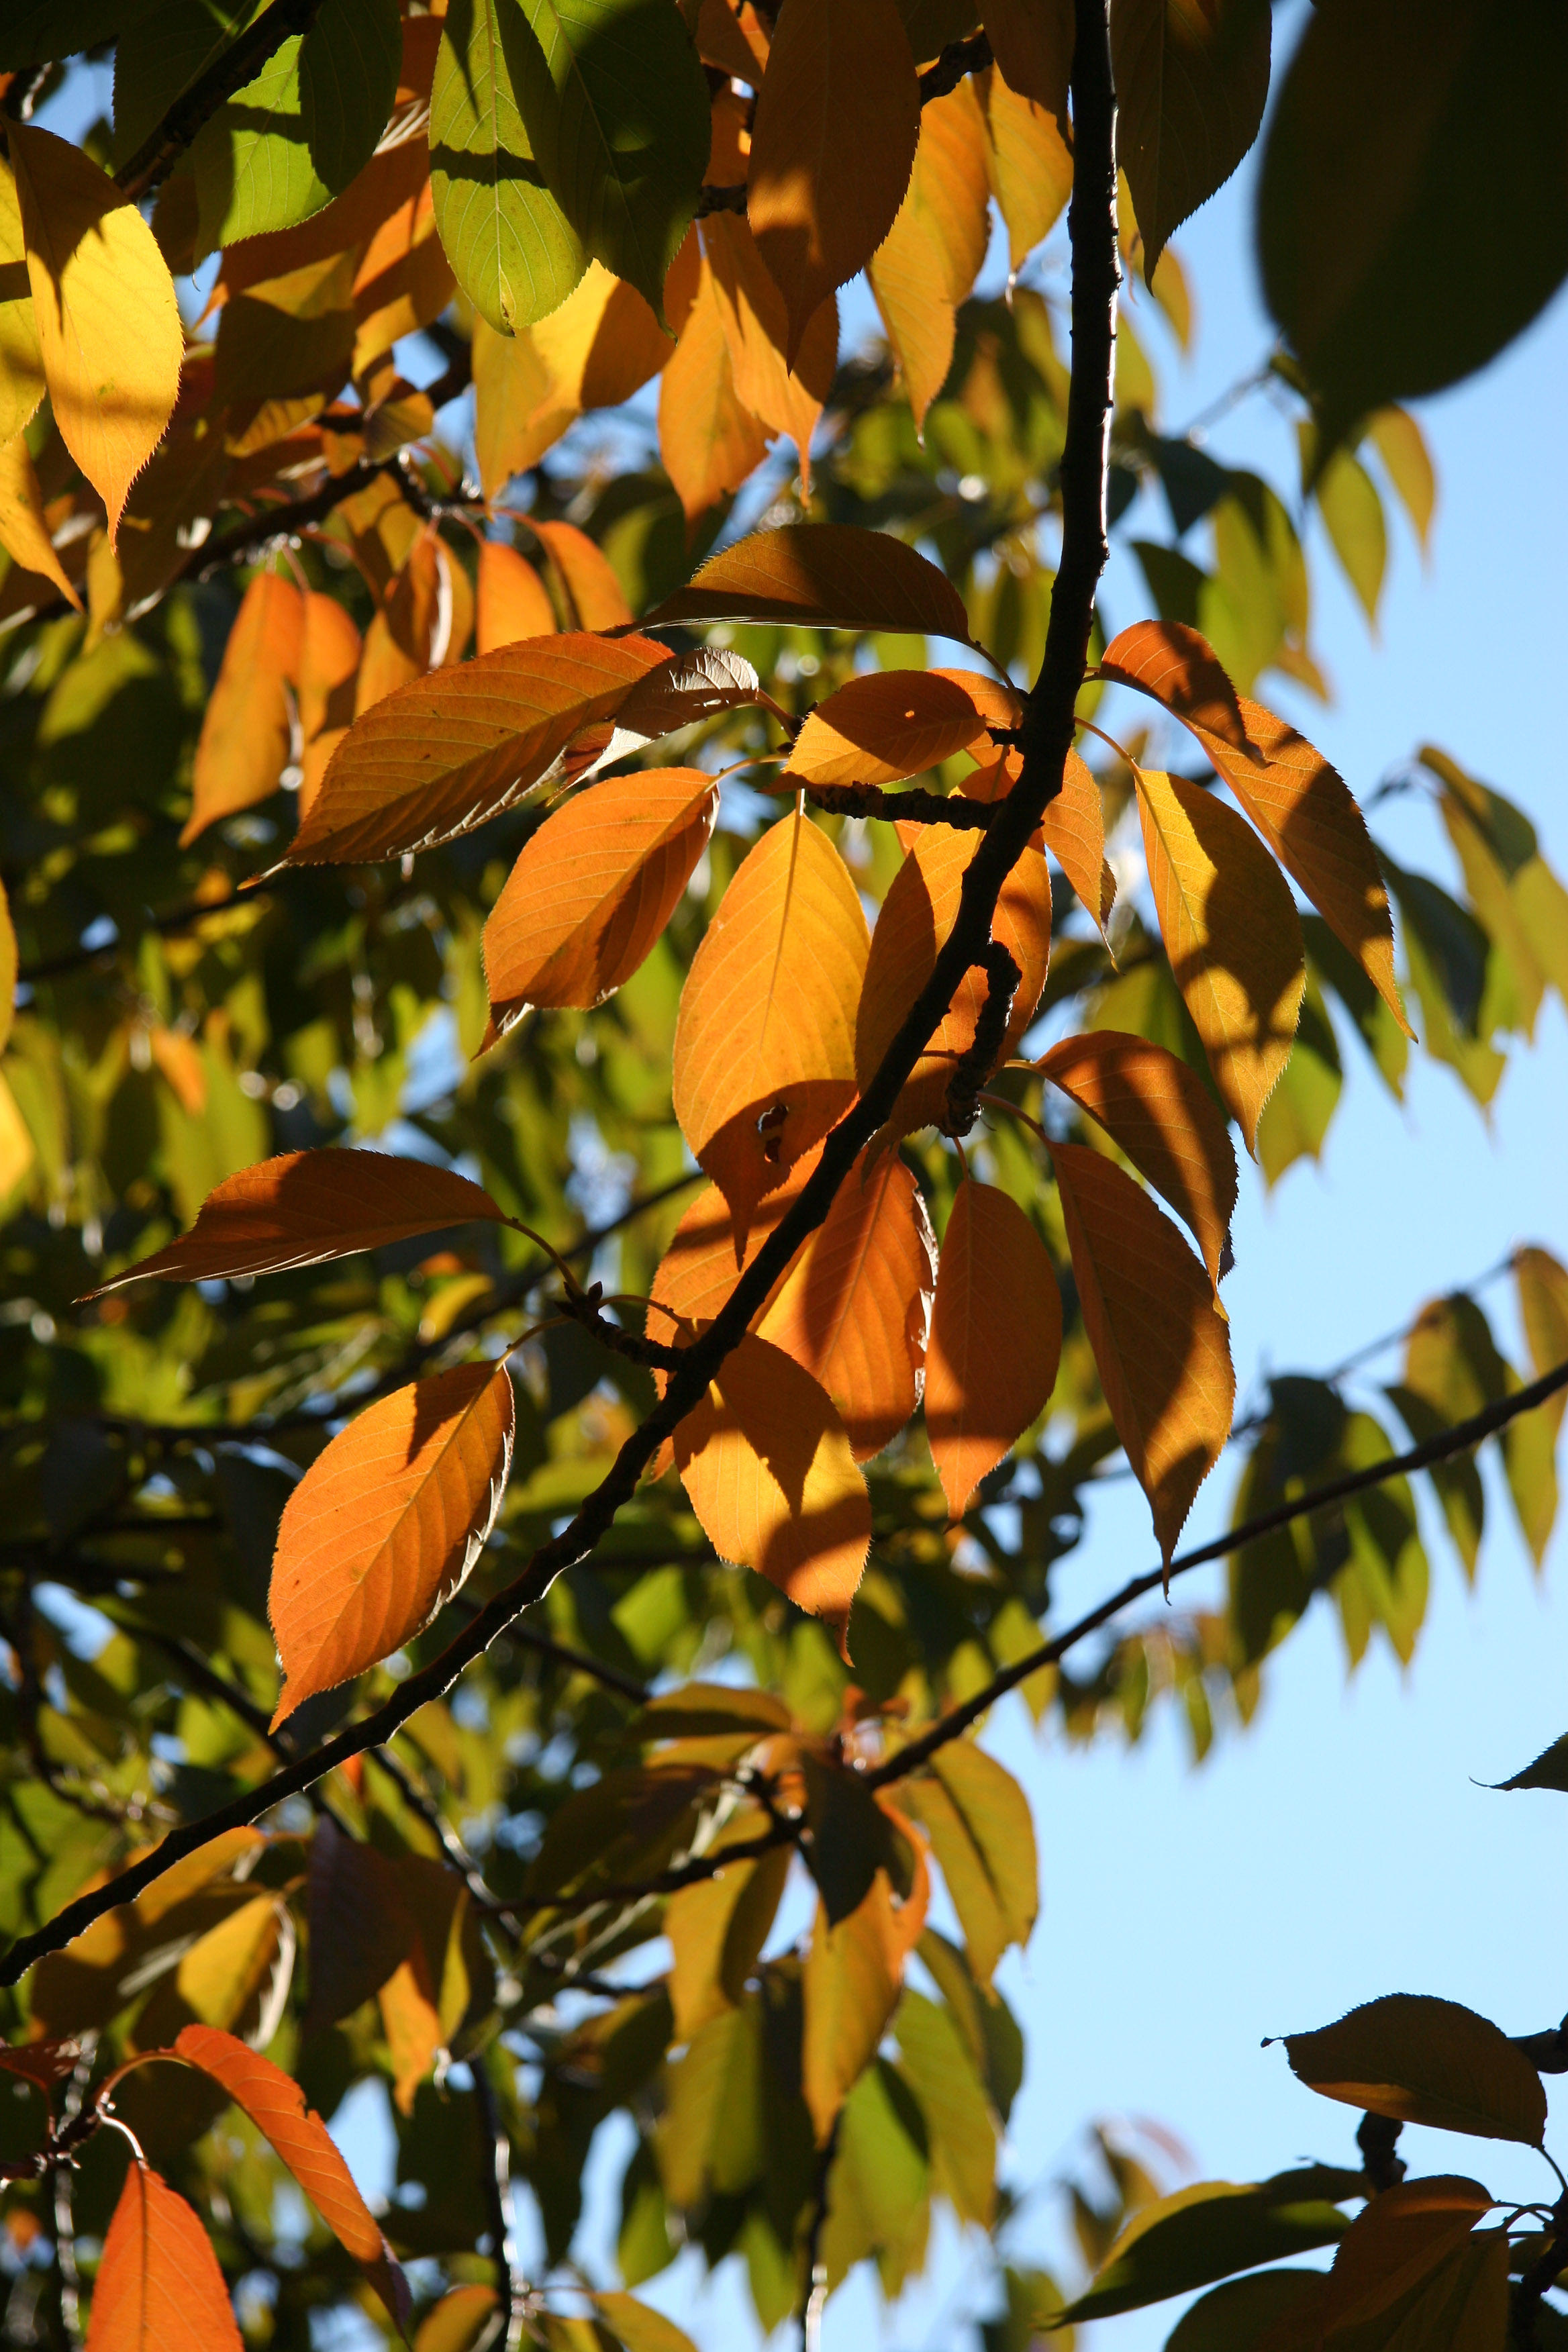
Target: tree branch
(914,807)
(1049,731)
(239,63)
(980,1056)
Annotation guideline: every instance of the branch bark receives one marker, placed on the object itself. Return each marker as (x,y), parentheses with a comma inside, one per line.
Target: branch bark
(1046,736)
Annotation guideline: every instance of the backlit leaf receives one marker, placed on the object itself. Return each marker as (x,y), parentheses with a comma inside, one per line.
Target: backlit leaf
(1178,667)
(934,2059)
(716,1930)
(708,441)
(1402,2236)
(995,1339)
(449,750)
(886,725)
(246,729)
(23,532)
(1232,934)
(595,593)
(1163,1117)
(1032,41)
(855,1306)
(827,575)
(330,651)
(307,1206)
(616,109)
(1160,1342)
(1211,2231)
(764,1051)
(767,1468)
(159,2287)
(1029,163)
(638,2326)
(1542,1285)
(854,1973)
(276,2105)
(928,262)
(22,384)
(460,2321)
(108,324)
(1424,2061)
(7,967)
(594,351)
(831,146)
(984,1837)
(1192,79)
(1402,445)
(917,916)
(1353,517)
(93,1978)
(785,397)
(514,252)
(385,1525)
(512,600)
(592,889)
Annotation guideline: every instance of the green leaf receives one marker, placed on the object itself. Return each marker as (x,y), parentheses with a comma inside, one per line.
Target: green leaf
(996,1812)
(1387,1559)
(990,2029)
(1212,2229)
(1549,1770)
(617,114)
(705,1710)
(1458,1481)
(1296,1116)
(937,2066)
(1379,1032)
(512,248)
(1424,2061)
(1448,952)
(1237,2315)
(36,30)
(638,2326)
(1398,264)
(1353,517)
(348,83)
(880,2185)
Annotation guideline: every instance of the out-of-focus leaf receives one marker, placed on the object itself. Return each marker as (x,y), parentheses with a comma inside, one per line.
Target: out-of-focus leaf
(1211,2231)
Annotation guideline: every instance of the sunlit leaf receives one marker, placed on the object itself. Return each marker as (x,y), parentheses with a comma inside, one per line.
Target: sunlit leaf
(826,575)
(709,440)
(1424,2061)
(512,600)
(23,531)
(928,262)
(1029,163)
(886,725)
(716,1930)
(595,594)
(854,1973)
(982,1836)
(245,733)
(995,1339)
(1178,667)
(783,397)
(385,1525)
(330,650)
(22,383)
(159,2287)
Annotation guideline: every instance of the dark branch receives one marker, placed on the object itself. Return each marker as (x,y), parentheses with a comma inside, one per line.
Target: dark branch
(239,63)
(914,807)
(583,1307)
(982,1052)
(1049,727)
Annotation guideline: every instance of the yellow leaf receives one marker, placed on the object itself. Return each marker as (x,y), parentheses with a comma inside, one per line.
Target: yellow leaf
(159,2287)
(767,1468)
(765,1049)
(21,361)
(592,890)
(786,397)
(1233,936)
(1029,163)
(24,533)
(512,600)
(460,2321)
(854,1974)
(7,972)
(717,1929)
(109,325)
(17,1151)
(305,1207)
(917,915)
(412,2024)
(245,733)
(995,1339)
(236,1975)
(594,593)
(1542,1285)
(1161,1343)
(1165,1120)
(447,751)
(385,1525)
(708,441)
(1072,828)
(1178,667)
(411,634)
(598,347)
(330,651)
(928,262)
(831,146)
(888,724)
(855,1306)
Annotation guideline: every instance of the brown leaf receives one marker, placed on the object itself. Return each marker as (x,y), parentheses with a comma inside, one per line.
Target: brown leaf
(855,1308)
(1176,666)
(1233,936)
(1159,1342)
(1424,2061)
(1190,85)
(917,915)
(831,146)
(1032,43)
(513,601)
(767,1468)
(764,1053)
(158,2288)
(447,751)
(276,2105)
(361,1928)
(592,890)
(245,738)
(43,2063)
(305,1207)
(822,574)
(330,650)
(886,725)
(1163,1117)
(995,1339)
(385,1525)
(1400,2237)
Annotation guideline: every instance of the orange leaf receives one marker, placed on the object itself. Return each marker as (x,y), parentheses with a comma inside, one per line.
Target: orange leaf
(1072,828)
(1233,936)
(886,725)
(276,2105)
(1032,43)
(917,915)
(1029,163)
(385,1525)
(697,1270)
(159,2287)
(734,39)
(831,575)
(409,634)
(855,1308)
(1176,666)
(513,601)
(330,651)
(592,889)
(831,146)
(307,1206)
(178,1058)
(245,738)
(785,397)
(109,325)
(854,1974)
(765,1053)
(995,1339)
(43,2063)
(767,1468)
(928,263)
(1160,1342)
(24,531)
(1303,809)
(591,583)
(710,443)
(412,2024)
(447,751)
(1165,1118)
